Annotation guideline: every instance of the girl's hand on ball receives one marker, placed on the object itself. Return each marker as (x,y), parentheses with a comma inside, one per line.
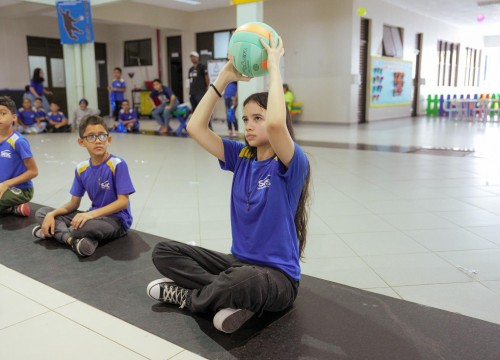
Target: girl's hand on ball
(231,74)
(274,51)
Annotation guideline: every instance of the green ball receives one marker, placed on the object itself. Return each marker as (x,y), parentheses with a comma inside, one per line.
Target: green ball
(246,52)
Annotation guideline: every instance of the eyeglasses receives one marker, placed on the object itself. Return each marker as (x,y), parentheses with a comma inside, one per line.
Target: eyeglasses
(93,138)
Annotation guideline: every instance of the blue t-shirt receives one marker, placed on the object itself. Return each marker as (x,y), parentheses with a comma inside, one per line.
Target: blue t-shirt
(126,116)
(41,114)
(38,87)
(163,96)
(118,84)
(13,151)
(264,199)
(231,89)
(57,117)
(28,117)
(104,183)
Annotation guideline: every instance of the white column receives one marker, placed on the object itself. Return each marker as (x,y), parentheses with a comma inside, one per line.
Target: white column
(247,13)
(81,76)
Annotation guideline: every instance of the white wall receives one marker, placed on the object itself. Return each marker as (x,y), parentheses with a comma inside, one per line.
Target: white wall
(321,40)
(433,30)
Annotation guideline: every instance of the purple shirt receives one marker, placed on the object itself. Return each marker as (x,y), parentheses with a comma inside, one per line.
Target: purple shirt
(13,151)
(104,183)
(28,117)
(119,84)
(126,116)
(38,87)
(57,117)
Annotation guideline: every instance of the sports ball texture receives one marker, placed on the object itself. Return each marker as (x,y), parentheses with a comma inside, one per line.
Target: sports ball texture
(246,52)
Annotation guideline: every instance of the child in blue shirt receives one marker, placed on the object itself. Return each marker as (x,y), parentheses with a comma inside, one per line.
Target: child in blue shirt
(168,103)
(17,164)
(268,213)
(231,102)
(28,122)
(40,115)
(106,179)
(56,120)
(128,118)
(117,92)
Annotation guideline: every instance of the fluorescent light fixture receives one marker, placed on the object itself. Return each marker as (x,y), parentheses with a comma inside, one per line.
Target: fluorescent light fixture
(488,3)
(190,2)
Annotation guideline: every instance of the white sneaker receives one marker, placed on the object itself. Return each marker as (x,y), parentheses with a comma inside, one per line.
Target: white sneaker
(229,320)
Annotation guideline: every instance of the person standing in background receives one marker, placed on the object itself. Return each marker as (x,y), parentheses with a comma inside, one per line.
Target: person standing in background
(117,92)
(198,81)
(231,102)
(37,89)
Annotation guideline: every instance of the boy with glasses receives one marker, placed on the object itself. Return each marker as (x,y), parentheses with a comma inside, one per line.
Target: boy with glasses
(106,179)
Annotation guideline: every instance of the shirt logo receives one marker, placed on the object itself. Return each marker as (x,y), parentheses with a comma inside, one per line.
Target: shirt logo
(264,183)
(6,154)
(105,185)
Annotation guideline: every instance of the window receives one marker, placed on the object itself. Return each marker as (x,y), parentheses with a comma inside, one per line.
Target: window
(138,53)
(213,44)
(447,63)
(472,66)
(391,41)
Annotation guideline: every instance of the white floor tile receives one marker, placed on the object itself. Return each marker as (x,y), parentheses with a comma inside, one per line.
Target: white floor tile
(326,246)
(470,299)
(450,239)
(382,243)
(16,308)
(472,218)
(417,221)
(356,223)
(491,233)
(32,289)
(119,331)
(387,291)
(187,355)
(348,271)
(67,340)
(485,262)
(414,269)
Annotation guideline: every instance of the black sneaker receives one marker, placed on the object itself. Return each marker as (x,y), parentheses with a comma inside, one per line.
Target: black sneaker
(167,291)
(37,232)
(229,320)
(84,246)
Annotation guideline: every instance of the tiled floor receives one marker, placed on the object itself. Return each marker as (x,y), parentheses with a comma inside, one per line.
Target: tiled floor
(423,228)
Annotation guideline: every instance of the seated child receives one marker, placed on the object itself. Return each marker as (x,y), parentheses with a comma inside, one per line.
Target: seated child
(106,179)
(83,110)
(128,117)
(27,120)
(57,122)
(40,114)
(16,163)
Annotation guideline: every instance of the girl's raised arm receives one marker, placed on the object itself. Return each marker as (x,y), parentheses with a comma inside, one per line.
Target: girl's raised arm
(198,124)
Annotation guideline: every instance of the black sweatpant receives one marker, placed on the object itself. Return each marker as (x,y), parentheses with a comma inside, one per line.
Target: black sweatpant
(220,280)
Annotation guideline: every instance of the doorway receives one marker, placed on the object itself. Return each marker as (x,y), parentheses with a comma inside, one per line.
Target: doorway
(174,59)
(416,80)
(363,69)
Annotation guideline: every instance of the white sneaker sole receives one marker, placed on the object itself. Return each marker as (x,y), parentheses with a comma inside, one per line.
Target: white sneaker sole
(229,320)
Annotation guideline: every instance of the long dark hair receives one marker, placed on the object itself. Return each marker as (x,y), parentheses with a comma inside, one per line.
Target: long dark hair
(301,215)
(36,76)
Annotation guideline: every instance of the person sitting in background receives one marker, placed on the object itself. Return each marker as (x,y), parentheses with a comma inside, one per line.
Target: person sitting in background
(288,96)
(27,92)
(40,115)
(168,103)
(27,119)
(128,118)
(57,121)
(83,110)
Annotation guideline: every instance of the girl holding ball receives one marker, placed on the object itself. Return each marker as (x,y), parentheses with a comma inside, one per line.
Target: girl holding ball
(269,199)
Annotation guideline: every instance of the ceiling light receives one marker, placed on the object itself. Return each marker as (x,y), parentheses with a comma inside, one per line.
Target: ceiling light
(488,3)
(190,2)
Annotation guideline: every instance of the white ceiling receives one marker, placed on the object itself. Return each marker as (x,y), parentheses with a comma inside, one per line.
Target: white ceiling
(457,12)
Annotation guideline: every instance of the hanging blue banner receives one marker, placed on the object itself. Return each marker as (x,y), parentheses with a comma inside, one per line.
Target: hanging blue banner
(75,22)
